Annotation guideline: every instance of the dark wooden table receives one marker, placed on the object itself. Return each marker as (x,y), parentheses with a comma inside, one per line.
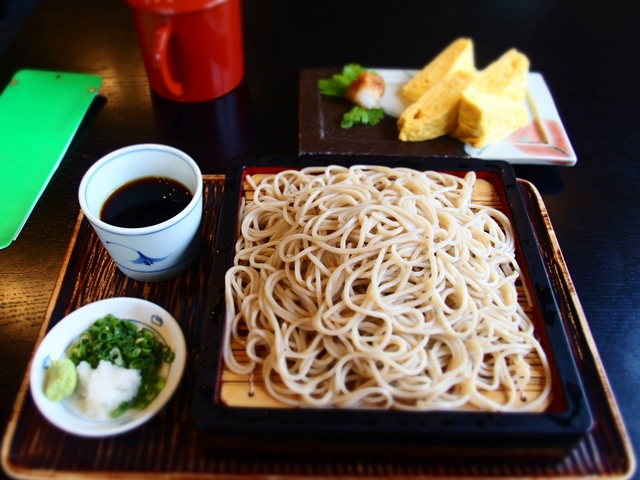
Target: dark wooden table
(587,52)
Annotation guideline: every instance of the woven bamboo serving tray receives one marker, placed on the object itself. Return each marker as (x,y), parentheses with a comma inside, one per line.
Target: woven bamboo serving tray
(170,446)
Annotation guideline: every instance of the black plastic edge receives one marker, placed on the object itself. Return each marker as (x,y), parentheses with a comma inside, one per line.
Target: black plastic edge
(549,431)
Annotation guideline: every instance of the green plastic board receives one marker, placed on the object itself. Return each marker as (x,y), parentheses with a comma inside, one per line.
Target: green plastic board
(40,112)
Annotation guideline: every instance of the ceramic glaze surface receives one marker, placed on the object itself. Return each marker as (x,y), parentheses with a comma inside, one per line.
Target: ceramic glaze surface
(157,252)
(68,414)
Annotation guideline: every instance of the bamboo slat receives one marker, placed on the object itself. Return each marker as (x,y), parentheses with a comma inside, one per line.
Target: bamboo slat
(250,390)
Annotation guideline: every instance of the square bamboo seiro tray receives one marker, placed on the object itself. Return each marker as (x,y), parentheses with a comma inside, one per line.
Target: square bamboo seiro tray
(240,406)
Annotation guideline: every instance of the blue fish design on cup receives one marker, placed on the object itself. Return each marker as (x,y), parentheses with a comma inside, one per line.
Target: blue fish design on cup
(142,258)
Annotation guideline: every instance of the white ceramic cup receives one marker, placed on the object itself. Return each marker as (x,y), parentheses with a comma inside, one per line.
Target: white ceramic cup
(157,252)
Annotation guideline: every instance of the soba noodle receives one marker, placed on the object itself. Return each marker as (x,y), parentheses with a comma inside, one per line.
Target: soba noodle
(382,288)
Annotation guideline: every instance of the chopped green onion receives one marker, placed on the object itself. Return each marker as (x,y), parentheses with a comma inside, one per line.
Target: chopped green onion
(121,343)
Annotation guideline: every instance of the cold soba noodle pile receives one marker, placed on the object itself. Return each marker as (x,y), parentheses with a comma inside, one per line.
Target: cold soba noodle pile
(379,287)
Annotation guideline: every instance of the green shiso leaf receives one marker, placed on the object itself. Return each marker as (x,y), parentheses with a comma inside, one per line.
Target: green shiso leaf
(358,115)
(337,86)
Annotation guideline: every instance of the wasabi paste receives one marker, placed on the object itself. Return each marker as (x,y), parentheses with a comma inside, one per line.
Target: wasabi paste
(60,380)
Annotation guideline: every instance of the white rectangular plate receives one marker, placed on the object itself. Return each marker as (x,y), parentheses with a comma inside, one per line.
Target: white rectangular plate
(543,141)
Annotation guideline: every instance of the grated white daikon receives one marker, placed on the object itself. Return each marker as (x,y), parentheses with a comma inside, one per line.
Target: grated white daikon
(106,387)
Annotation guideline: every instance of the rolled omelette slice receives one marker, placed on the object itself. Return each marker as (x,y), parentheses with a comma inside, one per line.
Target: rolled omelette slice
(506,77)
(458,56)
(436,111)
(484,118)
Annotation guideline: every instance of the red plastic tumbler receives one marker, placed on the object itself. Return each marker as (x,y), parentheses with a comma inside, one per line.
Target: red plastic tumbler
(192,49)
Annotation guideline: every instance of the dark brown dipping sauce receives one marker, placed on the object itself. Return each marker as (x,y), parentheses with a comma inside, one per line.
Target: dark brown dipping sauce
(145,202)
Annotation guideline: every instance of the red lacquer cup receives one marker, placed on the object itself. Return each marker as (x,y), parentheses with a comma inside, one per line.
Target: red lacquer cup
(192,49)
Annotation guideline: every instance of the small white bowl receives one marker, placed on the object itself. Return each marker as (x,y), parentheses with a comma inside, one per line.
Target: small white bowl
(67,414)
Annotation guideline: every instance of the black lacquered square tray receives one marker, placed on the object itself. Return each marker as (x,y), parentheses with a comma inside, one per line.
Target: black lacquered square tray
(553,431)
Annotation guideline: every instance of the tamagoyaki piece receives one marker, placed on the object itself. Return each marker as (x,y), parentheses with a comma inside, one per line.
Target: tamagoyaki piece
(458,56)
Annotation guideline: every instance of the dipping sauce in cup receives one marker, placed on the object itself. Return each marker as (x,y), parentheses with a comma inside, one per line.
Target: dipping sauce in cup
(145,204)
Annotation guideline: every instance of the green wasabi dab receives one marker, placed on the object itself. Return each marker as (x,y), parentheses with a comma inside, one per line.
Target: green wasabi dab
(61,379)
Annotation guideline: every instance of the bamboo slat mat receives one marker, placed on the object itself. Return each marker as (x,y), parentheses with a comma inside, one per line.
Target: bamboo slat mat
(239,390)
(170,446)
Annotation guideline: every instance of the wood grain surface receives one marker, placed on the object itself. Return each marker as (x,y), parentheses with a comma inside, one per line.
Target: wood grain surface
(583,49)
